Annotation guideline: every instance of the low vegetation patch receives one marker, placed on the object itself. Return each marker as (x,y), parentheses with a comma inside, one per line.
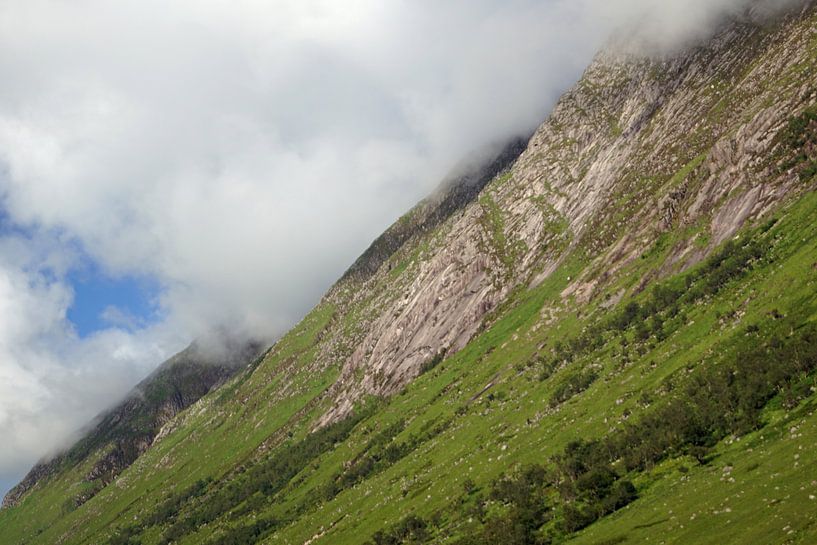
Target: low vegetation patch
(799,139)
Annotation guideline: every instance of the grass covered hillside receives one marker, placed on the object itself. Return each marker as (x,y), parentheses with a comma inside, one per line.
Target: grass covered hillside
(614,341)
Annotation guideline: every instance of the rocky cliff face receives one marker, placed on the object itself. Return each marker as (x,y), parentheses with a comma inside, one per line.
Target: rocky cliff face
(454,193)
(639,147)
(119,436)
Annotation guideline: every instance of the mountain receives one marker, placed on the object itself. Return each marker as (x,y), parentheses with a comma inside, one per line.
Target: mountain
(119,436)
(605,335)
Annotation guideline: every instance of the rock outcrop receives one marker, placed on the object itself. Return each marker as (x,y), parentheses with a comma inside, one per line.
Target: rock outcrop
(604,175)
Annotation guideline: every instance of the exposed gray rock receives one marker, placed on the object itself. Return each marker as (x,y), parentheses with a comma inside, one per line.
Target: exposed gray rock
(603,175)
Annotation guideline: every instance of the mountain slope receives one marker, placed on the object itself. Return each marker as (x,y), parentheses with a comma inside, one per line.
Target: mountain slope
(122,434)
(570,355)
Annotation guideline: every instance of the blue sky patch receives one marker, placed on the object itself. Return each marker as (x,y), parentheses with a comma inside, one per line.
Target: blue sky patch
(102,301)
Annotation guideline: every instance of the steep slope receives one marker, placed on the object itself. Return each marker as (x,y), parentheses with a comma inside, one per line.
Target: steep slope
(128,430)
(640,147)
(614,342)
(119,436)
(454,193)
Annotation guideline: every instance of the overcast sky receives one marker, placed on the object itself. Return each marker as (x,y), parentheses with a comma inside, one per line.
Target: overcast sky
(167,167)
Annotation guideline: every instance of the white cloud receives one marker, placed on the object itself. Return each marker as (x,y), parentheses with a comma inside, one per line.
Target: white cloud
(47,374)
(243,153)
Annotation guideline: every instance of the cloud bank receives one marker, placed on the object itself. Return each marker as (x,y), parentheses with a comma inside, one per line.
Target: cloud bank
(242,154)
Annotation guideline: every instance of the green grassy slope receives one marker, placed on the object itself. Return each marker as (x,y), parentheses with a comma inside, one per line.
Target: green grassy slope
(512,422)
(490,409)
